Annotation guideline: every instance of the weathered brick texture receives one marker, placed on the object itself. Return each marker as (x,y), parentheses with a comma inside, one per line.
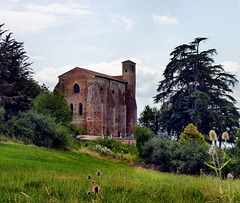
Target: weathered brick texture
(101,103)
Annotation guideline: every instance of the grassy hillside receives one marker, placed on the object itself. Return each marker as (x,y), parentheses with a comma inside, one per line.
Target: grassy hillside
(57,176)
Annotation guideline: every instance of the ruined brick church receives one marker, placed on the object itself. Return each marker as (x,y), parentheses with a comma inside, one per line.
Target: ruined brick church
(102,104)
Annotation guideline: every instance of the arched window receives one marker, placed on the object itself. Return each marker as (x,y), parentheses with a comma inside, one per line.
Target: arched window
(76,88)
(80,109)
(71,106)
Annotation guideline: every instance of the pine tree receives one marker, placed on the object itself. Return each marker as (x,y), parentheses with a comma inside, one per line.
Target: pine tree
(17,88)
(194,90)
(150,118)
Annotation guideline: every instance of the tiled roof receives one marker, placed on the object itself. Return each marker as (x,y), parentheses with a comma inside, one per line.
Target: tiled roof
(128,61)
(116,78)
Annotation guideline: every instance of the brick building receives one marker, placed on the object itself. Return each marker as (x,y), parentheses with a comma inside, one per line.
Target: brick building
(101,103)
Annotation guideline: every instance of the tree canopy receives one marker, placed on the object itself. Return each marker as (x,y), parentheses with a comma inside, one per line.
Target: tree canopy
(17,88)
(150,117)
(195,90)
(54,104)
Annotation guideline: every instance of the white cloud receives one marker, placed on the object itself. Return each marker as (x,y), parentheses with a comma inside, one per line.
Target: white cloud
(116,18)
(90,49)
(113,68)
(24,22)
(37,58)
(232,67)
(165,20)
(34,17)
(59,9)
(49,75)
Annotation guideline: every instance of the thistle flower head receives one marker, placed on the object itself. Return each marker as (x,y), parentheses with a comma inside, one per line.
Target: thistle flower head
(212,151)
(98,173)
(213,135)
(89,192)
(93,181)
(230,176)
(225,136)
(89,176)
(96,188)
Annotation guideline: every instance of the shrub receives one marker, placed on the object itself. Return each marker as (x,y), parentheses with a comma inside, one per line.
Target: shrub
(113,145)
(142,135)
(168,155)
(75,130)
(192,155)
(103,150)
(162,153)
(191,133)
(54,104)
(39,129)
(2,114)
(234,165)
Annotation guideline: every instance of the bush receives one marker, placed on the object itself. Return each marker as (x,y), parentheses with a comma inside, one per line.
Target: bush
(113,145)
(168,155)
(40,130)
(75,130)
(142,135)
(2,114)
(162,153)
(191,133)
(53,104)
(192,155)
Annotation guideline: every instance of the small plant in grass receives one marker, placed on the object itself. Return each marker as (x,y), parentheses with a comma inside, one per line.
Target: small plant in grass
(95,187)
(217,165)
(103,150)
(27,197)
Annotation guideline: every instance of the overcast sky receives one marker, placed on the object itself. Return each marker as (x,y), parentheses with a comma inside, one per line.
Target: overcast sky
(99,35)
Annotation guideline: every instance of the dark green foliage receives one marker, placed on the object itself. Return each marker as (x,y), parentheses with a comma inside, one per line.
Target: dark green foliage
(150,117)
(167,155)
(75,130)
(40,130)
(234,165)
(54,104)
(17,88)
(2,114)
(162,153)
(194,90)
(142,135)
(114,145)
(192,155)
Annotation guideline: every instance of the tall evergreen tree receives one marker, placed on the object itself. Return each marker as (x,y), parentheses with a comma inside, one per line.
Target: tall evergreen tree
(194,90)
(17,87)
(150,117)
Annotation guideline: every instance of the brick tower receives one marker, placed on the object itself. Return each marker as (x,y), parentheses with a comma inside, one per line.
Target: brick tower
(129,75)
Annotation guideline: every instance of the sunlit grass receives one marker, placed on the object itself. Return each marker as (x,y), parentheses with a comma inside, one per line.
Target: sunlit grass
(57,176)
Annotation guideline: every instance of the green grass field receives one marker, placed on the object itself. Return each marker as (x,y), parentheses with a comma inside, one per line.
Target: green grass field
(58,176)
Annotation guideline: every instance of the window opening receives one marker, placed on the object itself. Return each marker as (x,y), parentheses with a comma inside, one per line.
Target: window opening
(76,88)
(80,109)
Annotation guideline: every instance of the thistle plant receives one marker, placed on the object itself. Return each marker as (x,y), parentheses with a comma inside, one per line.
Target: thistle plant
(95,187)
(230,176)
(217,165)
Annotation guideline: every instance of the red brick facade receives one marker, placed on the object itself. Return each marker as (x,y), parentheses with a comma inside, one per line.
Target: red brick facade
(101,103)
